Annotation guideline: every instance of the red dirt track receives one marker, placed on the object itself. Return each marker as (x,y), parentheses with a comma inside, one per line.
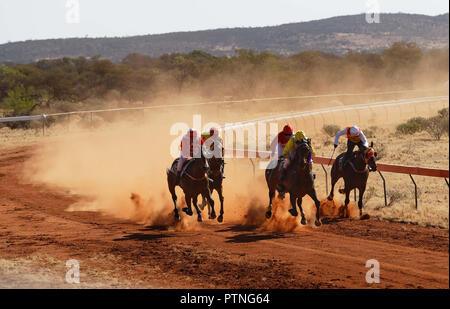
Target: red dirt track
(33,221)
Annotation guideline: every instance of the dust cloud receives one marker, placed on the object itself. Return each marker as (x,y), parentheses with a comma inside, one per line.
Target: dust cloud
(118,168)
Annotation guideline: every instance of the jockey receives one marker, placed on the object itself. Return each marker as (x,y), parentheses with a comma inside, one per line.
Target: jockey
(215,143)
(289,151)
(280,141)
(191,147)
(355,138)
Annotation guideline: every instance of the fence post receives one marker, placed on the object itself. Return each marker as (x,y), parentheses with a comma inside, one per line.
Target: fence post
(415,188)
(326,178)
(384,187)
(253,164)
(43,119)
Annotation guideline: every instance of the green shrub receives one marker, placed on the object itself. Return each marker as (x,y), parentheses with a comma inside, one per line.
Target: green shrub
(408,128)
(437,126)
(330,129)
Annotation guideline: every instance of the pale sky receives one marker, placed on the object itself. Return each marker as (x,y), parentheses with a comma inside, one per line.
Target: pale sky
(45,19)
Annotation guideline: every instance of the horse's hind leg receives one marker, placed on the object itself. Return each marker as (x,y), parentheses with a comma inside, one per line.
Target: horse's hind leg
(219,191)
(293,210)
(299,204)
(199,214)
(174,199)
(269,208)
(313,195)
(334,178)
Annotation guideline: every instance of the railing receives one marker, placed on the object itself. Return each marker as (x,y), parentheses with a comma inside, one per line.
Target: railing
(381,167)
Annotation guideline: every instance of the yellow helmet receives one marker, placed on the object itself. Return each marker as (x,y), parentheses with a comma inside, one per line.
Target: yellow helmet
(299,135)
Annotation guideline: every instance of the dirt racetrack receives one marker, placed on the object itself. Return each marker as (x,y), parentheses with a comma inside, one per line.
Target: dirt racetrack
(38,236)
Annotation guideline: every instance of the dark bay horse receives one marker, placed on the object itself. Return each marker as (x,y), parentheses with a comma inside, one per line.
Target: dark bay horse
(194,182)
(355,174)
(215,173)
(299,182)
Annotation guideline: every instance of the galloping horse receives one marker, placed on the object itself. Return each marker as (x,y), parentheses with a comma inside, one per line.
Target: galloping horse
(299,182)
(355,174)
(194,182)
(215,173)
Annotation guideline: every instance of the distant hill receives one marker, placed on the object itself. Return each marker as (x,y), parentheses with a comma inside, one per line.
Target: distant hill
(336,35)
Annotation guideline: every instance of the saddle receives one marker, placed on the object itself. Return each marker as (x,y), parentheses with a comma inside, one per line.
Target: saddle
(184,167)
(343,163)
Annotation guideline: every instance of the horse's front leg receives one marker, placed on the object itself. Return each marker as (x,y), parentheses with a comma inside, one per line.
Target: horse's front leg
(360,201)
(211,211)
(188,209)
(219,191)
(199,214)
(347,200)
(299,204)
(293,200)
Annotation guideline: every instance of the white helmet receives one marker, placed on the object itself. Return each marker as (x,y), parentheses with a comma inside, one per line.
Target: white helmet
(354,131)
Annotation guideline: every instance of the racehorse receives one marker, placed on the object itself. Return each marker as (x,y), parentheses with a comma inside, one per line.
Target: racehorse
(215,173)
(194,182)
(355,174)
(299,182)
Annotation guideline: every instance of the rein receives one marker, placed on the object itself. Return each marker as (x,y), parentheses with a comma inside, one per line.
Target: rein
(365,170)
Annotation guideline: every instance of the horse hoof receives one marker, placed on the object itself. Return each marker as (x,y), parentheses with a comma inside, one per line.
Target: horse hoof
(268,214)
(318,223)
(220,219)
(303,222)
(330,198)
(293,212)
(281,195)
(341,191)
(199,219)
(187,211)
(177,217)
(212,216)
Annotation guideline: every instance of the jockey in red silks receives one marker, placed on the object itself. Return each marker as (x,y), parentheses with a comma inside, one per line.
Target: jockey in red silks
(355,137)
(191,147)
(281,140)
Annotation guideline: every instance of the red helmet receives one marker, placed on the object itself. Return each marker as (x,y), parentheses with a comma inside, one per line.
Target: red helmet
(287,129)
(213,131)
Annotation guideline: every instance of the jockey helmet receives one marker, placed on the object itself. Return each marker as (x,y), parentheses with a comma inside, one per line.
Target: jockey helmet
(299,135)
(213,131)
(287,129)
(354,131)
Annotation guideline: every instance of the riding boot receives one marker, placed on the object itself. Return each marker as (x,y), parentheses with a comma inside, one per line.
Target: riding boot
(177,178)
(221,169)
(283,174)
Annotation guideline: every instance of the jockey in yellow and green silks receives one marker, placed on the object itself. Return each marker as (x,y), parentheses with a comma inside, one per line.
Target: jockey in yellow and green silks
(289,152)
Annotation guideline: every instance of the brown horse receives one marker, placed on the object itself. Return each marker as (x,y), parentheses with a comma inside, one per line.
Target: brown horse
(299,182)
(194,182)
(355,174)
(215,173)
